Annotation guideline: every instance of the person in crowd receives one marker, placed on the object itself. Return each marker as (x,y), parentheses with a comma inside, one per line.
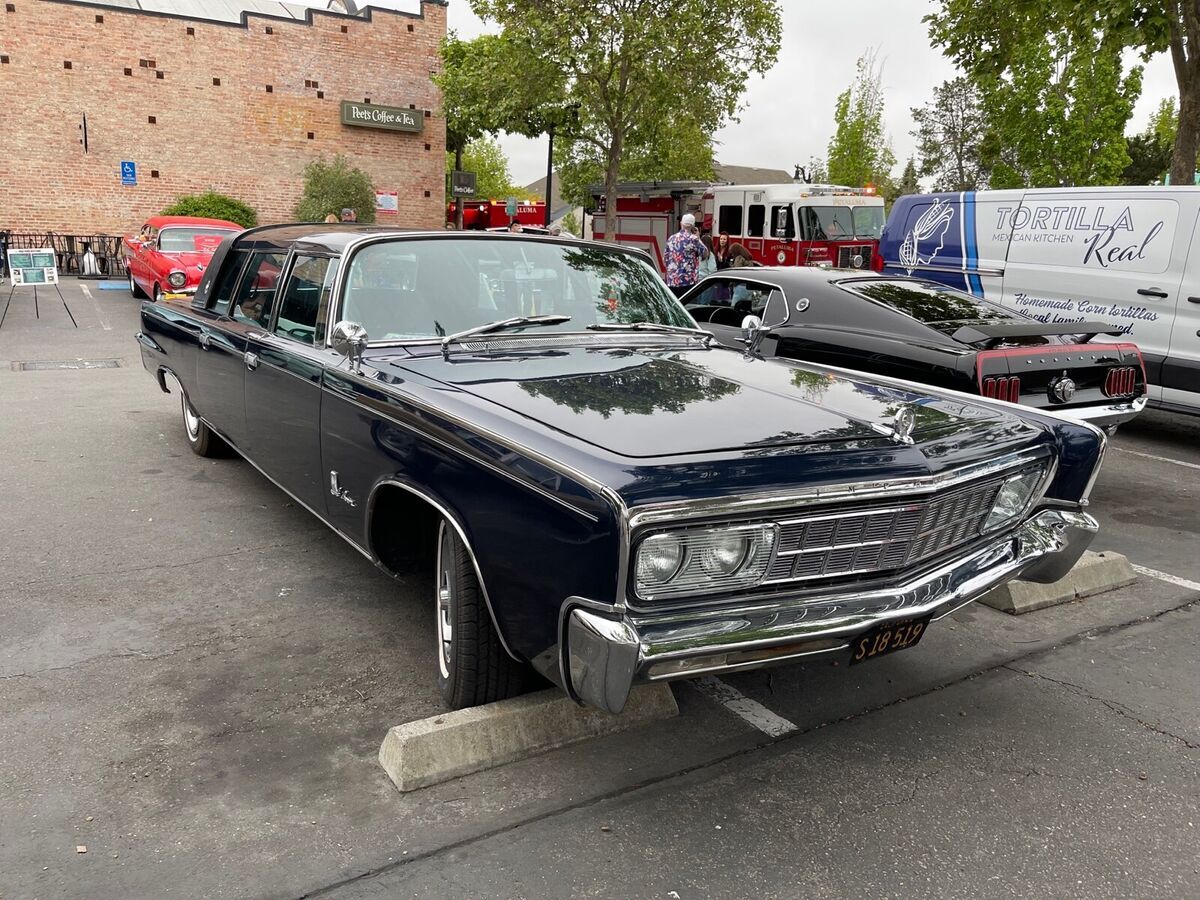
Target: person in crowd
(708,265)
(332,219)
(739,257)
(685,251)
(515,227)
(349,215)
(721,250)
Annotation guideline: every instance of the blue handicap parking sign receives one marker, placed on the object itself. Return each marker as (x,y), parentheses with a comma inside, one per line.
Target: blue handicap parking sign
(128,172)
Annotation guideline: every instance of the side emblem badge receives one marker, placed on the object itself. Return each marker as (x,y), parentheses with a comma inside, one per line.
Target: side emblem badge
(336,490)
(902,426)
(802,304)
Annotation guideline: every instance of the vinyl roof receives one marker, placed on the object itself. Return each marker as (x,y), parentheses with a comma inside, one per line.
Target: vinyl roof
(231,11)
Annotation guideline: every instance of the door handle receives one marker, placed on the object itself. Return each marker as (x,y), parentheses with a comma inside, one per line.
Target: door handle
(205,340)
(251,361)
(1193,299)
(1153,292)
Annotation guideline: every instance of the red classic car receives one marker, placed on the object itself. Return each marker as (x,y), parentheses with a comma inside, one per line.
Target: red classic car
(170,253)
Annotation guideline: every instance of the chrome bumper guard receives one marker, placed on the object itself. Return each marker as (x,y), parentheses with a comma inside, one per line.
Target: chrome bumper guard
(605,655)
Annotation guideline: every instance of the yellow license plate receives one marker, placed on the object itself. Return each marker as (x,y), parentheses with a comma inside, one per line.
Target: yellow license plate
(887,638)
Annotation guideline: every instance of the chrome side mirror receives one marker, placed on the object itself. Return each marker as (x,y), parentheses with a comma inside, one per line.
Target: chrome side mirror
(349,339)
(751,326)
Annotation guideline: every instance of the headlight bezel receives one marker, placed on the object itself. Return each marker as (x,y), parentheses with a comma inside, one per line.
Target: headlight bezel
(692,578)
(182,279)
(1038,480)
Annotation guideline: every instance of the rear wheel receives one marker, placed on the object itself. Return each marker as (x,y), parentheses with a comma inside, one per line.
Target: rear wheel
(137,292)
(202,439)
(473,667)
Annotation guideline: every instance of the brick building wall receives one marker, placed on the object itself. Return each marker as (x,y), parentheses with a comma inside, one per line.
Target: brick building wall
(235,136)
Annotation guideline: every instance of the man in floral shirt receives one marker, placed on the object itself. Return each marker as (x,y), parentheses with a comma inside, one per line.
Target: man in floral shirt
(684,252)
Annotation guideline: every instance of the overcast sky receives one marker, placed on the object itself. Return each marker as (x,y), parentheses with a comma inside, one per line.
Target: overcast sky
(788,114)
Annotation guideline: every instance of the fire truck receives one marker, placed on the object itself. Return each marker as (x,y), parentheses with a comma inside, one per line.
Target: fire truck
(480,215)
(796,224)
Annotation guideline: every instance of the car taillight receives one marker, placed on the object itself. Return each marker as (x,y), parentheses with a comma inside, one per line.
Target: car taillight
(1121,381)
(1003,389)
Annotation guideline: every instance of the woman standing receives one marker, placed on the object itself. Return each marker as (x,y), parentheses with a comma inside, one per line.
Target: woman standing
(721,250)
(708,265)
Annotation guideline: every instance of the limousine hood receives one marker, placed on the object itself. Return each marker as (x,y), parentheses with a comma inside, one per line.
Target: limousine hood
(659,403)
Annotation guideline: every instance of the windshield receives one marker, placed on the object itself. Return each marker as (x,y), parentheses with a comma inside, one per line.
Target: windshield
(868,221)
(428,288)
(191,240)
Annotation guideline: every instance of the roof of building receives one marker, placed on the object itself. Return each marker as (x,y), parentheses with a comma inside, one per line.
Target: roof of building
(234,11)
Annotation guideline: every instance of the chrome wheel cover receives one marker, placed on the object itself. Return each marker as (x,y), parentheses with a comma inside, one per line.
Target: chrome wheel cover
(444,598)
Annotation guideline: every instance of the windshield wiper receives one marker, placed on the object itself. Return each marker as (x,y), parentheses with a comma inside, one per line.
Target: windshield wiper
(651,326)
(514,322)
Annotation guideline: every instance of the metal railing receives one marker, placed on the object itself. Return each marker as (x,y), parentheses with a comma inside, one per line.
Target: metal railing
(70,251)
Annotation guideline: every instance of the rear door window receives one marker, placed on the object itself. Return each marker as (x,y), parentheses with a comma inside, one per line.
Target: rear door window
(222,293)
(301,302)
(255,296)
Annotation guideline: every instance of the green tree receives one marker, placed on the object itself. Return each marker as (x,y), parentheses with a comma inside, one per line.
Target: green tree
(332,185)
(570,224)
(1150,151)
(988,38)
(908,184)
(950,131)
(211,205)
(860,152)
(484,157)
(621,64)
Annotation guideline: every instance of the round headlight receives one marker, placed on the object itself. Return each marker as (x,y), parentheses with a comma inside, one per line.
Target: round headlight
(724,553)
(177,279)
(659,559)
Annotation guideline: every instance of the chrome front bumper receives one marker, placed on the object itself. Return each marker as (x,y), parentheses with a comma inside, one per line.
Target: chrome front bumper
(607,652)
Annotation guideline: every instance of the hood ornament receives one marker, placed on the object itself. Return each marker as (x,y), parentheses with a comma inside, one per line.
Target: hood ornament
(902,426)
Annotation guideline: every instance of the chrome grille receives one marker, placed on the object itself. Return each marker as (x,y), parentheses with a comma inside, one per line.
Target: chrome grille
(847,254)
(880,538)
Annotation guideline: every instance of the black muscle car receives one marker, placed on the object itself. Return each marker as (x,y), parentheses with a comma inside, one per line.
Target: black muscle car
(604,494)
(923,331)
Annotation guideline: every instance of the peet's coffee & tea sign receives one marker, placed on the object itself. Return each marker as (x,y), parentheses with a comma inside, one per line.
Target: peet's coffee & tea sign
(392,118)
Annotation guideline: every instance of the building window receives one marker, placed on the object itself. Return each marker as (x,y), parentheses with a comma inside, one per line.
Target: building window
(153,120)
(427,193)
(270,89)
(158,74)
(270,30)
(427,114)
(311,135)
(428,146)
(410,26)
(99,19)
(128,71)
(11,7)
(345,28)
(4,60)
(191,31)
(154,173)
(366,99)
(320,95)
(147,64)
(216,82)
(66,64)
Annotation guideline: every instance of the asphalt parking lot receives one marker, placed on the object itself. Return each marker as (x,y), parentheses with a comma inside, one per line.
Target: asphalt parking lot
(195,677)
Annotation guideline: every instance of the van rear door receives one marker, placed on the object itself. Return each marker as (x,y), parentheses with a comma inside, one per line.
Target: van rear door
(1181,369)
(1107,255)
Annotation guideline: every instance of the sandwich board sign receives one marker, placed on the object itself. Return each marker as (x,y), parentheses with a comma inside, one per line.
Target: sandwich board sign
(33,267)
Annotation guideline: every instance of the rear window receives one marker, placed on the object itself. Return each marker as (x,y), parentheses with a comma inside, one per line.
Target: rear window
(934,304)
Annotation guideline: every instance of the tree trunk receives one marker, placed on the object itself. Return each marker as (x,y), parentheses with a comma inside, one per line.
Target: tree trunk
(612,175)
(1185,32)
(458,201)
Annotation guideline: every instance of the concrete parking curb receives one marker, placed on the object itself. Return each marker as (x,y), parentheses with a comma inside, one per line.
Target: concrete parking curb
(1095,573)
(430,751)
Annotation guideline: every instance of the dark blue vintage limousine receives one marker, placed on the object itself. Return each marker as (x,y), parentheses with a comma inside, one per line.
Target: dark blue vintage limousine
(601,493)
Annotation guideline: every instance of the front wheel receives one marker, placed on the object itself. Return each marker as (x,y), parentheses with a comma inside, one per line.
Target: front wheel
(202,439)
(136,291)
(473,667)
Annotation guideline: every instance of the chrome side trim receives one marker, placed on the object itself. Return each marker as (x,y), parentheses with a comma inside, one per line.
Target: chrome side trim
(452,518)
(675,511)
(536,488)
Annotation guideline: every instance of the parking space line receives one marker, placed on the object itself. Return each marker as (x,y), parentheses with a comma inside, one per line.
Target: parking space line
(751,711)
(1169,579)
(1166,459)
(99,315)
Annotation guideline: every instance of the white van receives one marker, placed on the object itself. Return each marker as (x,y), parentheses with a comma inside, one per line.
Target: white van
(1122,255)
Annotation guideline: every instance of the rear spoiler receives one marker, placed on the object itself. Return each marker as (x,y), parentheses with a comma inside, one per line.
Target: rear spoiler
(989,335)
